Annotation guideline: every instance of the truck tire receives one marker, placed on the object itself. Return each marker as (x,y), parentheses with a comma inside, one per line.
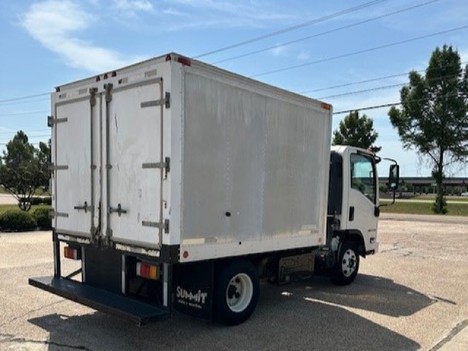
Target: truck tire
(347,264)
(235,292)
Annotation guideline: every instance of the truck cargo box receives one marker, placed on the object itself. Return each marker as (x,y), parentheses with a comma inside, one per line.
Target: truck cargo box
(172,156)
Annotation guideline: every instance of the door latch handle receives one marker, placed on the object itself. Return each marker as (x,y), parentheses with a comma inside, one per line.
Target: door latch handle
(85,207)
(117,210)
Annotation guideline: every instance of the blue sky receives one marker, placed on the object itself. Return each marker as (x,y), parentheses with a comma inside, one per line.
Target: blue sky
(322,49)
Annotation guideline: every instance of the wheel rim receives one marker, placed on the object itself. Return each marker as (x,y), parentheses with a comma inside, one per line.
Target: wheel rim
(348,263)
(239,292)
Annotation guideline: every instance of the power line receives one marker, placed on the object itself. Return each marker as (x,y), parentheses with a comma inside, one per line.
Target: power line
(288,29)
(24,101)
(371,80)
(368,108)
(324,33)
(386,105)
(358,82)
(23,97)
(362,91)
(433,79)
(359,52)
(21,113)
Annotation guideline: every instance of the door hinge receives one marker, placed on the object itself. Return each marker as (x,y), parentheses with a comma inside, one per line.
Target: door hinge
(166,226)
(108,88)
(166,101)
(92,96)
(53,213)
(163,226)
(51,121)
(53,167)
(166,165)
(167,162)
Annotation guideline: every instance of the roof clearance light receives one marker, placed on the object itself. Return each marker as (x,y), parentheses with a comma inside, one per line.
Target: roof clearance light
(73,253)
(146,270)
(326,106)
(184,61)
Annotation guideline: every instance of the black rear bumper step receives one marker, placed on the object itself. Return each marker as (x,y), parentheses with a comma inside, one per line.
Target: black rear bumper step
(124,307)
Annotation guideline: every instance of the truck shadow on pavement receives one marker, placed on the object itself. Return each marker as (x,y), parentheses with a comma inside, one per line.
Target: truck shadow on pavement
(308,315)
(370,293)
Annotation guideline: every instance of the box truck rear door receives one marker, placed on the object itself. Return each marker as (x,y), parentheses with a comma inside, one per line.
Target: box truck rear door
(74,179)
(134,169)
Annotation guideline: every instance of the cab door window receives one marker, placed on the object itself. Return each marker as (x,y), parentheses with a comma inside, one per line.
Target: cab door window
(363,176)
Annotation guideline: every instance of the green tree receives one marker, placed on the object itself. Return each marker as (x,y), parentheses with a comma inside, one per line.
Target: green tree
(356,131)
(433,116)
(44,158)
(24,169)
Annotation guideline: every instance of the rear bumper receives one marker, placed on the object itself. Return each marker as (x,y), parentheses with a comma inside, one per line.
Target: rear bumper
(121,306)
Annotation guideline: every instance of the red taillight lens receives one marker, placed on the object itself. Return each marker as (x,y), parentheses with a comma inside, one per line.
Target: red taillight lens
(73,253)
(146,270)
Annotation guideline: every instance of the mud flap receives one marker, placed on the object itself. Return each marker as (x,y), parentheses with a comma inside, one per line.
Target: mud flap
(193,289)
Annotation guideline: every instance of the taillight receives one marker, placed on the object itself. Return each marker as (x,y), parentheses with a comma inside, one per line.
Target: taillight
(73,253)
(146,270)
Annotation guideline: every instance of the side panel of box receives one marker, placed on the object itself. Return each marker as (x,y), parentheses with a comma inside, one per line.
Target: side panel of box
(254,168)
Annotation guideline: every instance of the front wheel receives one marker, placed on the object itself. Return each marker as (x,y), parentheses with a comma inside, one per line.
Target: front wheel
(347,264)
(236,292)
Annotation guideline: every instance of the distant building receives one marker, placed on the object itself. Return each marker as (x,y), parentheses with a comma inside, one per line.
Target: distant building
(426,185)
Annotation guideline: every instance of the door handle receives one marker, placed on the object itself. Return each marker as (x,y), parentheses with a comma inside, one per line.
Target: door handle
(85,207)
(117,210)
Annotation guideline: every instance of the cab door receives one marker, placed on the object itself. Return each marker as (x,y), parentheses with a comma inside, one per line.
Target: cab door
(363,199)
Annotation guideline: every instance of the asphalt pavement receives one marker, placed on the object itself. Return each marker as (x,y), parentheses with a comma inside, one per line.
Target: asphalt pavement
(412,295)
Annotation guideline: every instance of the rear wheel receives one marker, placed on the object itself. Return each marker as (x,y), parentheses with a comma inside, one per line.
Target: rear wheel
(236,292)
(347,264)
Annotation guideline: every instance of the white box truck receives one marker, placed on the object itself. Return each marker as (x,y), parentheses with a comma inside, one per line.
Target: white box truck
(178,185)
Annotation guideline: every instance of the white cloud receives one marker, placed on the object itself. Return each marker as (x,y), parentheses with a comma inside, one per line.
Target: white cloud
(134,5)
(222,14)
(303,56)
(56,25)
(279,50)
(130,8)
(173,12)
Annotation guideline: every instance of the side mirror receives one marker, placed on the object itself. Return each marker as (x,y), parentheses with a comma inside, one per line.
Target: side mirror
(394,177)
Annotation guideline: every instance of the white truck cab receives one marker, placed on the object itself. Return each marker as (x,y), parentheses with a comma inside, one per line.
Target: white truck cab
(353,209)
